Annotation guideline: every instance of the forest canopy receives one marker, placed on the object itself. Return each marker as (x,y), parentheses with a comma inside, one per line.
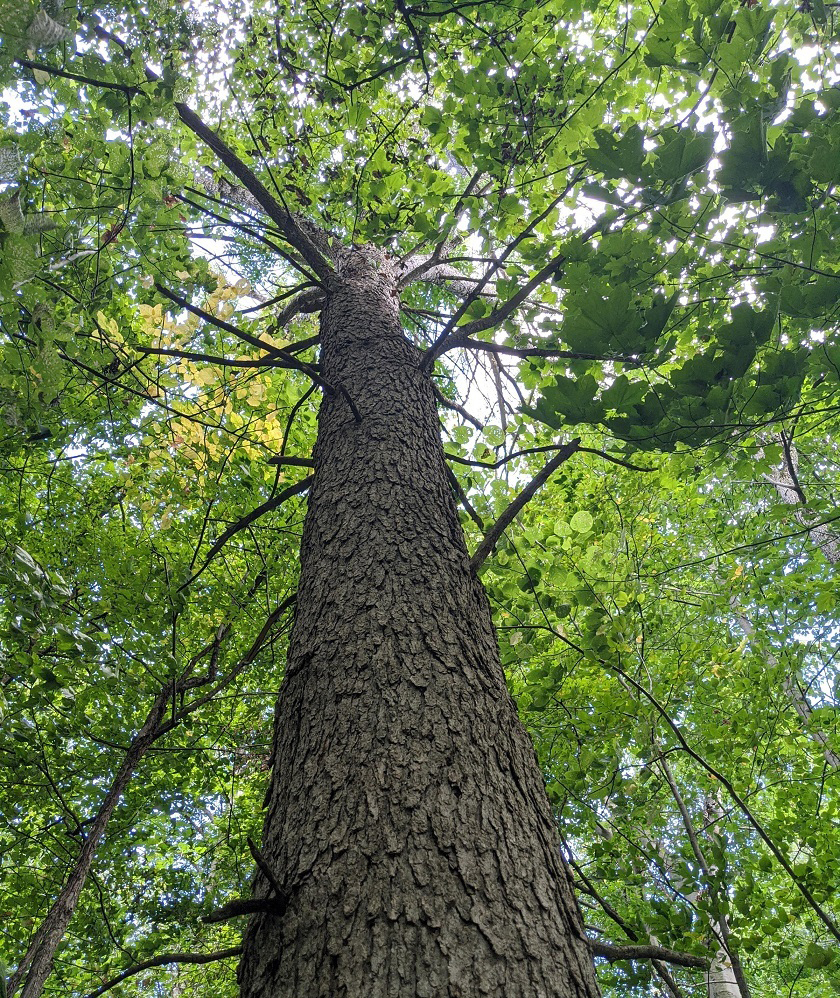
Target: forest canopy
(612,232)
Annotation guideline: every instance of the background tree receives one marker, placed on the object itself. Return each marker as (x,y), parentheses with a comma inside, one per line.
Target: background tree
(611,235)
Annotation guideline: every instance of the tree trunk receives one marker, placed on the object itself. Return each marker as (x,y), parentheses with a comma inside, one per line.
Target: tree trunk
(407,823)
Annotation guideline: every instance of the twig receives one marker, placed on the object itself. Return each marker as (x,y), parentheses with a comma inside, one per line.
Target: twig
(262,863)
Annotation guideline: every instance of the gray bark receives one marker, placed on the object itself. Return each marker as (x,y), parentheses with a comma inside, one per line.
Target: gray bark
(37,963)
(407,822)
(785,480)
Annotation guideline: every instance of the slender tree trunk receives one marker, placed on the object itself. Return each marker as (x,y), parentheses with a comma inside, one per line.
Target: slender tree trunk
(37,963)
(407,823)
(785,480)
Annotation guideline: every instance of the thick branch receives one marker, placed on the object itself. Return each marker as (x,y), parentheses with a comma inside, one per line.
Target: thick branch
(648,952)
(282,218)
(292,462)
(241,906)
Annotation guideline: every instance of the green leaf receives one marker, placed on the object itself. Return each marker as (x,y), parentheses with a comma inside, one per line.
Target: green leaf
(682,153)
(581,521)
(817,957)
(617,157)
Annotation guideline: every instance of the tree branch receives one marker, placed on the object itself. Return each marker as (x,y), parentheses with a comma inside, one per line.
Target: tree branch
(450,329)
(293,462)
(642,951)
(526,352)
(290,360)
(226,680)
(211,359)
(462,497)
(281,217)
(242,906)
(247,520)
(542,450)
(162,961)
(509,515)
(449,404)
(726,784)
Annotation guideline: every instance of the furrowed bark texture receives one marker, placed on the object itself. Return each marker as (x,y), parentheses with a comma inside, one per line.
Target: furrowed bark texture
(407,822)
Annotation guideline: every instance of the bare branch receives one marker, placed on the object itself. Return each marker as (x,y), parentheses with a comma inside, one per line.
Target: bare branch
(247,520)
(289,358)
(462,498)
(548,448)
(294,462)
(36,964)
(241,906)
(647,951)
(266,870)
(509,515)
(438,346)
(525,352)
(211,359)
(164,960)
(449,404)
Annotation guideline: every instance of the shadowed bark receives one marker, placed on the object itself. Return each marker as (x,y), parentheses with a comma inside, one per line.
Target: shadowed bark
(407,823)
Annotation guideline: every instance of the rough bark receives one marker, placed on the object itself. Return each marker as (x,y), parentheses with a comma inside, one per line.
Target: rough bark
(407,823)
